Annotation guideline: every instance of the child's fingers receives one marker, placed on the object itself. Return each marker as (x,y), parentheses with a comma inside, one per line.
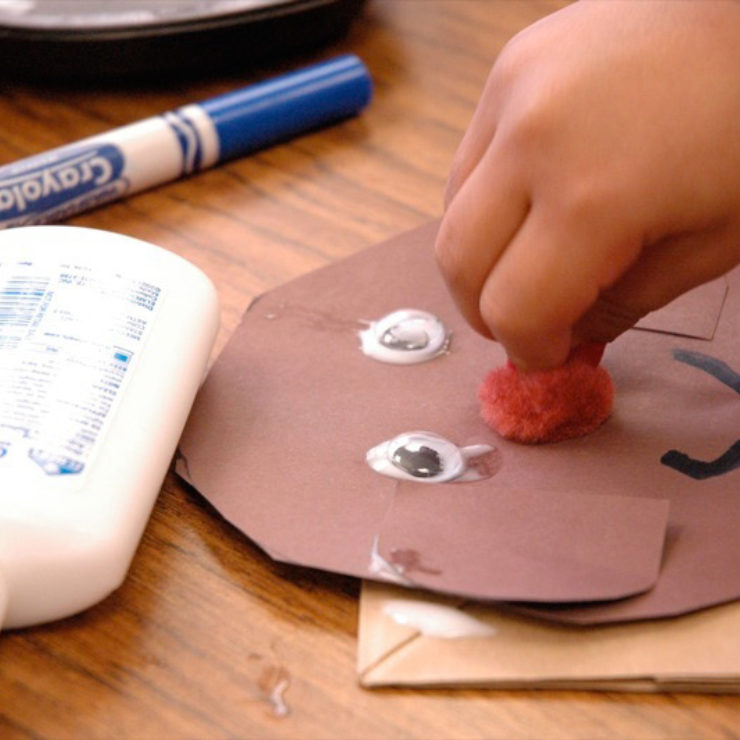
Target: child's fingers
(480,221)
(476,140)
(546,279)
(663,272)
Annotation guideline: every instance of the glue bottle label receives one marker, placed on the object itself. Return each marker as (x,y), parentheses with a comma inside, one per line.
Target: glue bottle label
(69,337)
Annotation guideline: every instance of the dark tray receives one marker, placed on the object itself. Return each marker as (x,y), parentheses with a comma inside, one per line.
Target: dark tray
(112,40)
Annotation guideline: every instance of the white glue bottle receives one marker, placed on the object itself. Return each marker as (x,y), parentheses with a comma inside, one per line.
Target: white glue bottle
(104,340)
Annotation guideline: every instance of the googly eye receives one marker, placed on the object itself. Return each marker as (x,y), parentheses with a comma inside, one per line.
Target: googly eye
(426,457)
(405,337)
(418,460)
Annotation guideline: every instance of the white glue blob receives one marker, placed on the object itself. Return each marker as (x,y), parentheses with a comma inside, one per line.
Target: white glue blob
(384,570)
(405,337)
(426,457)
(436,620)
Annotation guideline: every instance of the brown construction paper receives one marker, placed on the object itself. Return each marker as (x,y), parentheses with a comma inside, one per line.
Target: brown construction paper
(697,652)
(278,436)
(564,559)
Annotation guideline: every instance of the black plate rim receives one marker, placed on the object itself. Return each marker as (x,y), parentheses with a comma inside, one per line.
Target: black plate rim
(192,25)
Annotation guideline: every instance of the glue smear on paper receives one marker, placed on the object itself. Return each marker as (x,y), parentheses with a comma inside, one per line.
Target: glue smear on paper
(436,620)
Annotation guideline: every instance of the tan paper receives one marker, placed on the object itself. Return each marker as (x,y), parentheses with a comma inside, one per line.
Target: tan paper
(697,652)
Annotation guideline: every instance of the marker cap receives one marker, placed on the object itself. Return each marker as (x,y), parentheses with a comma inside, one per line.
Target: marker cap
(274,110)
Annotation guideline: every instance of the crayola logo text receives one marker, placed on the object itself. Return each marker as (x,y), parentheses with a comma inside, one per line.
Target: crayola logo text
(42,185)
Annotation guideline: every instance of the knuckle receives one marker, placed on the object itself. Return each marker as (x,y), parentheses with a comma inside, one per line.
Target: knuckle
(589,206)
(581,200)
(511,61)
(529,127)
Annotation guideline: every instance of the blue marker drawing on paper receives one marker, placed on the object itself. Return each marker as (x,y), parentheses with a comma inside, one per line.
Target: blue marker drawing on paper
(729,460)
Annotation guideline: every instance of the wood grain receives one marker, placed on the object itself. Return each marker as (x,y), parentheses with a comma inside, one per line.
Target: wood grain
(208,638)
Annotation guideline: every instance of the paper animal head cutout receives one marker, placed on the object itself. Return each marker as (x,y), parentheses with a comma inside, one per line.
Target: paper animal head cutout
(639,519)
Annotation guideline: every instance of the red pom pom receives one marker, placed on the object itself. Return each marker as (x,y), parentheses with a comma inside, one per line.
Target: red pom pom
(549,405)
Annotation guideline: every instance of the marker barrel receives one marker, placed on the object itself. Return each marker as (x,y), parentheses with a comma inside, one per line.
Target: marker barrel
(54,185)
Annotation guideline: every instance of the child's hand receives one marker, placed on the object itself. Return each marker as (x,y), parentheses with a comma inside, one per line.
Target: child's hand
(600,177)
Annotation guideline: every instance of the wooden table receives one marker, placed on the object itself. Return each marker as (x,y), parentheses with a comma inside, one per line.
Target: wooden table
(207,633)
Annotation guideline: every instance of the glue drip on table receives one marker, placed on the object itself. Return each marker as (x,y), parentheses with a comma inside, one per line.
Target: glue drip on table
(405,337)
(541,406)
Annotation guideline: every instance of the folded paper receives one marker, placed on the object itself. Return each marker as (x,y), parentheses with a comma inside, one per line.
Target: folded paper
(410,638)
(639,519)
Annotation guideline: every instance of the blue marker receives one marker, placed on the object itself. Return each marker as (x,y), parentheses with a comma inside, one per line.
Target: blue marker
(62,182)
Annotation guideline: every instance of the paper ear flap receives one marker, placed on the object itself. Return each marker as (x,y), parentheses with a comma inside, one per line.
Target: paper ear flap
(695,314)
(524,545)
